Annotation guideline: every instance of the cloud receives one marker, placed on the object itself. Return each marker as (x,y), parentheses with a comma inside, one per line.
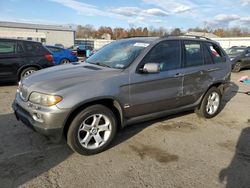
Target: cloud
(245,2)
(182,8)
(126,11)
(172,6)
(156,12)
(223,20)
(135,11)
(81,8)
(245,20)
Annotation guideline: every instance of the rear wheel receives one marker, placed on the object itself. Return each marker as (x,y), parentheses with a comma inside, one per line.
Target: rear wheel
(92,130)
(237,67)
(26,72)
(210,104)
(64,61)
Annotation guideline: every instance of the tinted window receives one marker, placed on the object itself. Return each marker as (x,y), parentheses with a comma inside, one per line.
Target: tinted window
(248,51)
(192,53)
(34,48)
(207,55)
(52,49)
(7,47)
(19,48)
(167,54)
(217,55)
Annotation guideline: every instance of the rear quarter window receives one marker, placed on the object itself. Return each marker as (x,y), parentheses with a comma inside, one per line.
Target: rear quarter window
(35,48)
(53,49)
(215,52)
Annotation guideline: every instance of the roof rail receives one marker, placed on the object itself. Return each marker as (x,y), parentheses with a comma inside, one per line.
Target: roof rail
(191,36)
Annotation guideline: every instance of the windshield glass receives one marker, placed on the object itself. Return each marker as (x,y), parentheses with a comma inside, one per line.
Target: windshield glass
(118,54)
(235,51)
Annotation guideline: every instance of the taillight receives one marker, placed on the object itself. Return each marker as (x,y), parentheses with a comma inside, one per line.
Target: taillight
(49,57)
(73,53)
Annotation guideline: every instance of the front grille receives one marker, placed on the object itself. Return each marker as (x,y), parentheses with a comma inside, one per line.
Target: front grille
(23,92)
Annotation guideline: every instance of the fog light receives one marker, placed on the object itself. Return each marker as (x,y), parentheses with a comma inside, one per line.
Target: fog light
(38,117)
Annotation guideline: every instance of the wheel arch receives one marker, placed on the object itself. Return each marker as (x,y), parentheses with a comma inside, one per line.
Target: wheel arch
(25,67)
(219,85)
(110,103)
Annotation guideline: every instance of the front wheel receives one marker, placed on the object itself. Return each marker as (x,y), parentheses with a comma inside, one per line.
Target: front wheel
(210,104)
(237,67)
(26,72)
(92,130)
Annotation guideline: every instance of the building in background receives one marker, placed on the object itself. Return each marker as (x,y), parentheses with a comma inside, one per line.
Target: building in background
(47,34)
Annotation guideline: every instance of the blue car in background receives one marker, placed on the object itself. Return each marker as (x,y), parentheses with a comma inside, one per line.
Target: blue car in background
(61,55)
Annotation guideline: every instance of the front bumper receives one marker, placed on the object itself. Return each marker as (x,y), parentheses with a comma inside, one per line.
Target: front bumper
(50,123)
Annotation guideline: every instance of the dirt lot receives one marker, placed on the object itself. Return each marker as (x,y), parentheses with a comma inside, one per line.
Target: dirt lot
(177,151)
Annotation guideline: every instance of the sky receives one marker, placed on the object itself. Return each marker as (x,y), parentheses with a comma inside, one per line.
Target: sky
(170,14)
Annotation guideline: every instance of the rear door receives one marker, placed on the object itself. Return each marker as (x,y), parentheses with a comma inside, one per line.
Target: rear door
(156,92)
(195,77)
(204,64)
(9,60)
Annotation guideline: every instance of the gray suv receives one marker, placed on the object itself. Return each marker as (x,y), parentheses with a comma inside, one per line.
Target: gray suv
(128,81)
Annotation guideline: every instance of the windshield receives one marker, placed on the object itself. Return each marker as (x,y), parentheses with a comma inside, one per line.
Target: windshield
(118,54)
(235,51)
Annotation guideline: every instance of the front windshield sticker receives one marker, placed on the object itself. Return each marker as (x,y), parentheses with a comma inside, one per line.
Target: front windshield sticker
(119,66)
(140,44)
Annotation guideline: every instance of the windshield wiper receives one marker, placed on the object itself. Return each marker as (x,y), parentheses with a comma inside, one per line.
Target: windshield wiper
(101,64)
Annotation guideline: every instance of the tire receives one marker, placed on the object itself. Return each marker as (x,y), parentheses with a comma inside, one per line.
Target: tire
(26,72)
(64,61)
(86,127)
(237,67)
(206,110)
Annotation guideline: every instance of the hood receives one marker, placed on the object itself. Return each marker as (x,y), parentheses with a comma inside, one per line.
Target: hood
(52,80)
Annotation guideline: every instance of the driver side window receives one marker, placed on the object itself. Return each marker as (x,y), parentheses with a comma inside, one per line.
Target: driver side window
(167,54)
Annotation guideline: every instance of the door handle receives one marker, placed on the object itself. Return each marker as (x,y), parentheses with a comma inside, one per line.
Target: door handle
(213,69)
(178,75)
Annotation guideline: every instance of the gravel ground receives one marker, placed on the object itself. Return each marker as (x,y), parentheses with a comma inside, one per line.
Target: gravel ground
(176,151)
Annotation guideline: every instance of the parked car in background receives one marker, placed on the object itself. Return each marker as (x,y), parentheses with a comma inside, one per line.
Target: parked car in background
(19,58)
(125,82)
(240,57)
(61,55)
(81,50)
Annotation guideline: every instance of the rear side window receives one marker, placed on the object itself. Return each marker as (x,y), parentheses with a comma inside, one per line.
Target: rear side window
(34,48)
(192,54)
(52,49)
(207,55)
(7,47)
(215,52)
(167,54)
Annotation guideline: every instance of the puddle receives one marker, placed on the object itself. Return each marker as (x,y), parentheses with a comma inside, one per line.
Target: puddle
(177,126)
(154,153)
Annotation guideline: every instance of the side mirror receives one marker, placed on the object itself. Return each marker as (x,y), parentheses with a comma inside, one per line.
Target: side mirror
(151,68)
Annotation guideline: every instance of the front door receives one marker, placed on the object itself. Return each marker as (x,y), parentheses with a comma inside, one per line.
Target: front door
(156,92)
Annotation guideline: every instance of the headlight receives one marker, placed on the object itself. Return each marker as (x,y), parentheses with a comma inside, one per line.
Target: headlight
(231,59)
(44,99)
